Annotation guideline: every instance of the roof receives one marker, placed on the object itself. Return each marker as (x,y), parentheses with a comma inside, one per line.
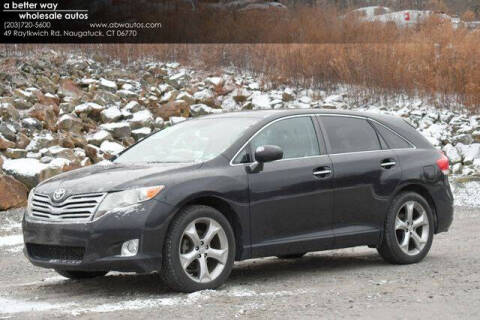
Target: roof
(273,114)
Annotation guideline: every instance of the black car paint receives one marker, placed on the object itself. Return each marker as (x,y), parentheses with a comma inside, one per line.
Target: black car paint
(283,208)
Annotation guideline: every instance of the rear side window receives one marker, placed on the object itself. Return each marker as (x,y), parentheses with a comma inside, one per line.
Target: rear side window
(350,134)
(393,140)
(296,137)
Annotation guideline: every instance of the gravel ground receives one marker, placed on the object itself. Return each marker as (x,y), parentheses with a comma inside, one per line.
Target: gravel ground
(332,284)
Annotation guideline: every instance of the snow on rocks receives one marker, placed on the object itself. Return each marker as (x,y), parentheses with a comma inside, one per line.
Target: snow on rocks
(107,84)
(141,133)
(111,114)
(140,119)
(98,137)
(111,147)
(88,107)
(261,101)
(26,170)
(118,129)
(201,109)
(469,152)
(452,154)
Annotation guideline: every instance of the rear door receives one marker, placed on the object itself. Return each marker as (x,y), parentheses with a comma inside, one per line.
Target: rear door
(365,176)
(291,199)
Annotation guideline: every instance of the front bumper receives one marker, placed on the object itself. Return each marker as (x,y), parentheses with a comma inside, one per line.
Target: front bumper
(97,244)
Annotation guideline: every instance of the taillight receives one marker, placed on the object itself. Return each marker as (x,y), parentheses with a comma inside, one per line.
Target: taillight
(443,163)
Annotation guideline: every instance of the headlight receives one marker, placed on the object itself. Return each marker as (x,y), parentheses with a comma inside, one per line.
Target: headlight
(121,199)
(28,212)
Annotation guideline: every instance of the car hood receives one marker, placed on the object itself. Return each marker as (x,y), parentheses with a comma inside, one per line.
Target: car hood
(113,177)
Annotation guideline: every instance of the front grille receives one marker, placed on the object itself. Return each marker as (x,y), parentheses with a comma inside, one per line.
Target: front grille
(75,208)
(47,252)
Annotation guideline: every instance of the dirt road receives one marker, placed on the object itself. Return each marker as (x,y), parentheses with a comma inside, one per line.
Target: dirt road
(334,284)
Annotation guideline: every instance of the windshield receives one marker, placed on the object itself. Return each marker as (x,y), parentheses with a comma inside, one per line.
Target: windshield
(190,141)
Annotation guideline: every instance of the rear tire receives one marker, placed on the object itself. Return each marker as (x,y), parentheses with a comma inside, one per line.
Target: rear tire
(79,275)
(199,250)
(408,231)
(292,256)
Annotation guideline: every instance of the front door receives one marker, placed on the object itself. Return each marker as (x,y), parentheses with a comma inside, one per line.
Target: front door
(291,199)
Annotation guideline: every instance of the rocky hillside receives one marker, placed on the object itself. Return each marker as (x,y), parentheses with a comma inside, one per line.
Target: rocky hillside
(60,112)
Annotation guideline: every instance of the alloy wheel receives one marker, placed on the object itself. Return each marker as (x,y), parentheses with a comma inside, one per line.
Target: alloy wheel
(412,227)
(203,250)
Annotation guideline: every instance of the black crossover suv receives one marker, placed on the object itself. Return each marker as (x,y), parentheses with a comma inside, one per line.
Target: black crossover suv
(189,200)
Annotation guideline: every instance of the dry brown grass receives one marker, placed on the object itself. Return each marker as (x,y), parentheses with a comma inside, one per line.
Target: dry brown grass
(431,60)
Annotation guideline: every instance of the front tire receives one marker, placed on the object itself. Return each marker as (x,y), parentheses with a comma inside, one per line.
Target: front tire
(199,250)
(79,275)
(408,231)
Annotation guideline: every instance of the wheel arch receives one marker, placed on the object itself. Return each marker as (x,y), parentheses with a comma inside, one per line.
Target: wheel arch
(222,205)
(423,191)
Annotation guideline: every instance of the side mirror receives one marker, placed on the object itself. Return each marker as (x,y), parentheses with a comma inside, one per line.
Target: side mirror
(268,153)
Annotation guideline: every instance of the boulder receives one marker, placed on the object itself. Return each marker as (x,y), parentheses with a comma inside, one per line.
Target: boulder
(469,152)
(70,123)
(202,109)
(141,133)
(22,141)
(205,96)
(215,81)
(140,119)
(15,153)
(111,147)
(127,94)
(185,96)
(60,152)
(179,79)
(118,130)
(98,137)
(132,106)
(159,123)
(5,143)
(261,101)
(27,171)
(31,124)
(8,131)
(111,114)
(92,152)
(173,109)
(13,193)
(45,114)
(8,111)
(452,154)
(107,85)
(90,109)
(40,141)
(70,89)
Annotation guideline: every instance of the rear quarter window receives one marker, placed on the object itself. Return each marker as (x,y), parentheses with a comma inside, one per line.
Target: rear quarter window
(347,134)
(393,140)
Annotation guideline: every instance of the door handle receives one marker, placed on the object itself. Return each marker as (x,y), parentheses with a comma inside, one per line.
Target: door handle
(388,163)
(322,172)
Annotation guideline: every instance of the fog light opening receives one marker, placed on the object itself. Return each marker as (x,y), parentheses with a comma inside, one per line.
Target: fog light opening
(129,248)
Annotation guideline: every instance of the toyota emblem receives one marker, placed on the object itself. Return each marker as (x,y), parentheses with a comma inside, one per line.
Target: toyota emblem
(59,194)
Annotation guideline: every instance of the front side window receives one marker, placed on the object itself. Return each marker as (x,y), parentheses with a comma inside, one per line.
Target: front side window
(348,134)
(190,141)
(296,136)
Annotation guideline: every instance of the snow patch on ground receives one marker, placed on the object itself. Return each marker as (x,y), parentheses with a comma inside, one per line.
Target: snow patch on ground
(11,306)
(189,299)
(9,241)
